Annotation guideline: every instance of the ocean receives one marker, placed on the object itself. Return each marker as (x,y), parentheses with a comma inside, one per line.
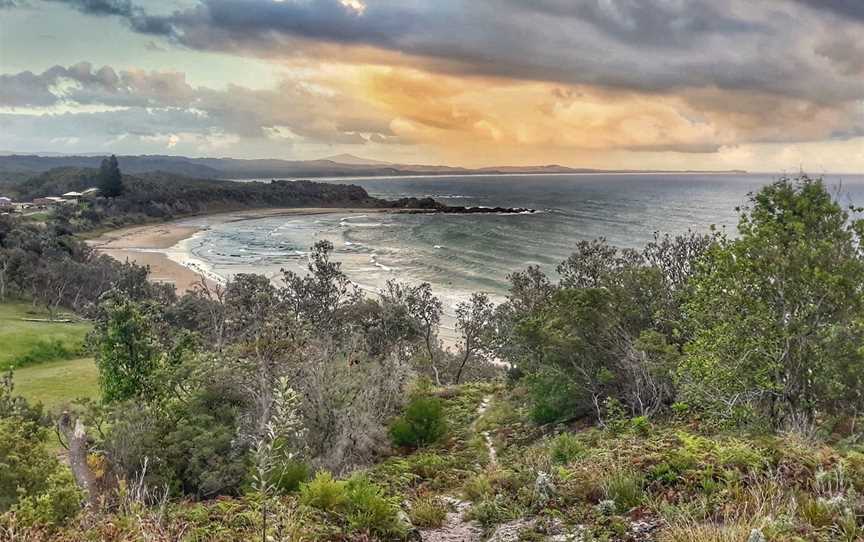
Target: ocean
(460,254)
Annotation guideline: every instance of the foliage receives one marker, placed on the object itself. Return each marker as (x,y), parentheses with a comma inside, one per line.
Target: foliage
(566,448)
(188,447)
(776,314)
(127,347)
(472,319)
(42,351)
(370,511)
(59,501)
(32,480)
(324,493)
(422,423)
(110,179)
(428,512)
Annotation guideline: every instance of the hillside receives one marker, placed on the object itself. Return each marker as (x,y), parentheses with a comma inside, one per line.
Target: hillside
(231,168)
(706,388)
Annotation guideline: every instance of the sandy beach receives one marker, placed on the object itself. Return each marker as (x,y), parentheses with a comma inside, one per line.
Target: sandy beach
(150,244)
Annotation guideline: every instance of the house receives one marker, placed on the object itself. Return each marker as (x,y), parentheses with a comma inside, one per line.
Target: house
(72,196)
(5,203)
(50,201)
(90,193)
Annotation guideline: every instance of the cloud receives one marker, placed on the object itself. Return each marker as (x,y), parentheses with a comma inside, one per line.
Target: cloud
(153,103)
(541,78)
(644,45)
(843,8)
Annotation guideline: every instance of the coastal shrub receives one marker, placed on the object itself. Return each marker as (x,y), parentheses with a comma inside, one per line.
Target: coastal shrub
(127,348)
(625,489)
(324,493)
(370,511)
(428,512)
(422,423)
(740,455)
(31,477)
(59,501)
(189,447)
(566,448)
(552,398)
(287,477)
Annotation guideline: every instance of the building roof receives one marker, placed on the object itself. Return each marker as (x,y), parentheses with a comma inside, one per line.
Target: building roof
(90,191)
(4,198)
(72,194)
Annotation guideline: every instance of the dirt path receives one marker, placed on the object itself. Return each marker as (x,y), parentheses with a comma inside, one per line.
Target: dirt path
(456,528)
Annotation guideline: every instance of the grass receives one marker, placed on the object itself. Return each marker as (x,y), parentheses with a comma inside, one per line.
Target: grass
(56,383)
(26,343)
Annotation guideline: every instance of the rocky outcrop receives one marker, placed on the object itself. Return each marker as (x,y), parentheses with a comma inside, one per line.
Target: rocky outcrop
(429,205)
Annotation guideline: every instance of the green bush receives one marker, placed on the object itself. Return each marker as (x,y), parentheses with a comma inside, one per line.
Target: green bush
(54,505)
(45,350)
(566,448)
(371,512)
(286,478)
(324,493)
(421,424)
(428,512)
(625,488)
(32,480)
(640,425)
(362,503)
(552,399)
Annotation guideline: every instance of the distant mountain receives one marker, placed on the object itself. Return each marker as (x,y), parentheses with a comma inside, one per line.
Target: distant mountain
(355,160)
(13,166)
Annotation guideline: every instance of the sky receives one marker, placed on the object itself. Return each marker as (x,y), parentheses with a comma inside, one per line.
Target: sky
(767,85)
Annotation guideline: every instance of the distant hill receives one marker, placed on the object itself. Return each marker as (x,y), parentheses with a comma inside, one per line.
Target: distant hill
(355,160)
(232,168)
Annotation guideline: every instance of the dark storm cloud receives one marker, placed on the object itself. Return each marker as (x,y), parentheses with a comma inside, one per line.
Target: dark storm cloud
(135,15)
(669,24)
(844,8)
(101,7)
(640,45)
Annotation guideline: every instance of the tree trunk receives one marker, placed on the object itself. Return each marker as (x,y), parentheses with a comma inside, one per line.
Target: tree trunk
(76,436)
(464,361)
(431,356)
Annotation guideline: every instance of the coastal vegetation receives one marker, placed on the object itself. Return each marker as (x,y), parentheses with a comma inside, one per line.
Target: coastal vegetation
(705,388)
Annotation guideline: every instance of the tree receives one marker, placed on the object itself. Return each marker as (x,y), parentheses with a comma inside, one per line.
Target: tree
(423,311)
(110,178)
(319,297)
(610,328)
(127,347)
(776,314)
(472,318)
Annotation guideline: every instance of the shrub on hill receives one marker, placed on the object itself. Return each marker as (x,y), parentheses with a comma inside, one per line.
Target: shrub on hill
(421,424)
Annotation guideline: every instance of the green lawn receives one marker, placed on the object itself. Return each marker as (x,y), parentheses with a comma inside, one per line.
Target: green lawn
(56,383)
(20,338)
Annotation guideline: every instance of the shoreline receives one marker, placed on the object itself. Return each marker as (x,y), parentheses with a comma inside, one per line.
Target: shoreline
(151,244)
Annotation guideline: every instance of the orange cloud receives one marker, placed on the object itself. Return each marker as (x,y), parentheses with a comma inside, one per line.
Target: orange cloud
(475,120)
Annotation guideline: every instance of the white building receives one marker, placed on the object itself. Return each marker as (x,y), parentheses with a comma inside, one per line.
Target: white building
(5,203)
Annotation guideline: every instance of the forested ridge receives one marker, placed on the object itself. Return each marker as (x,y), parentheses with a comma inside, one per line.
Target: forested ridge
(708,387)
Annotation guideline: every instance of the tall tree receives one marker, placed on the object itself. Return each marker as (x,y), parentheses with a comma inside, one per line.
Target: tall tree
(472,317)
(110,179)
(777,312)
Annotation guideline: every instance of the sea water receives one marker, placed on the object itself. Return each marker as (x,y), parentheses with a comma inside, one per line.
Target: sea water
(460,254)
